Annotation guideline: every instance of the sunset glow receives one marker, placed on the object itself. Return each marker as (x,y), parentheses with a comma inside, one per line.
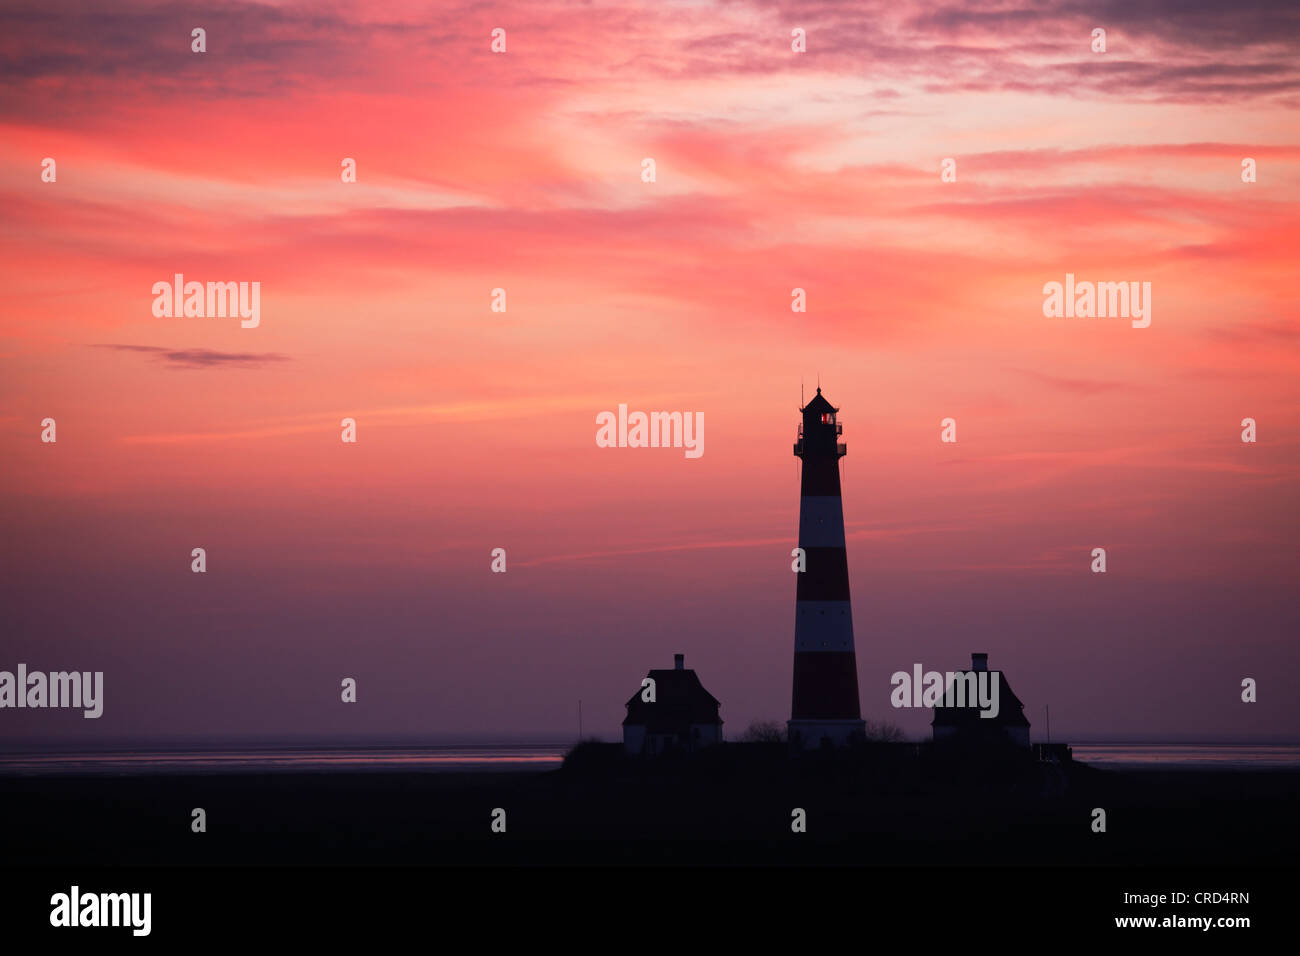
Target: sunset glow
(476,430)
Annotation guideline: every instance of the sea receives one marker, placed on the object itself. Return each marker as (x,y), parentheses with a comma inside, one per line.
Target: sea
(515,757)
(438,759)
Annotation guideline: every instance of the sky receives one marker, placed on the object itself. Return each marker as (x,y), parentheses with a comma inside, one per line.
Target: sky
(523,171)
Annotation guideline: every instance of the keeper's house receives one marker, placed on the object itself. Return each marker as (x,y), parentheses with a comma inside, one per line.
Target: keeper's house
(671,711)
(966,724)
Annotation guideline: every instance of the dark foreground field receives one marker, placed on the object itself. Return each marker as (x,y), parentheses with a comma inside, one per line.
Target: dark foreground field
(738,810)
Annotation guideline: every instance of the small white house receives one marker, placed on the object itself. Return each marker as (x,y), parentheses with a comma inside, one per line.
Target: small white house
(965,722)
(682,715)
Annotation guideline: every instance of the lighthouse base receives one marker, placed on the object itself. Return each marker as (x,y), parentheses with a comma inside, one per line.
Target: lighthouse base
(811,734)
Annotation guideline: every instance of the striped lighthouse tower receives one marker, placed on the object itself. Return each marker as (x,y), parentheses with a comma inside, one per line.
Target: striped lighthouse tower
(825,701)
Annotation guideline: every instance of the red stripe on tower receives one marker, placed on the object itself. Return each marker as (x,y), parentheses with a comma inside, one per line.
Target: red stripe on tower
(825,699)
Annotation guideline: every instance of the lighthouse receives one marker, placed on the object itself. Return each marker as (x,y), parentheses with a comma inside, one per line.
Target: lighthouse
(825,700)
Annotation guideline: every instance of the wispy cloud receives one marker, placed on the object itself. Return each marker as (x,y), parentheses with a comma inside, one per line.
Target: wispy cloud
(479,411)
(200,358)
(875,533)
(1079,386)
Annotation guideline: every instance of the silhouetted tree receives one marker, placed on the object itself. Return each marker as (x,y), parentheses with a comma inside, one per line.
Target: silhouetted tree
(883,732)
(764,732)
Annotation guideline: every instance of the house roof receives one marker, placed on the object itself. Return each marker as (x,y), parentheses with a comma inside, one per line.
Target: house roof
(1011,712)
(680,700)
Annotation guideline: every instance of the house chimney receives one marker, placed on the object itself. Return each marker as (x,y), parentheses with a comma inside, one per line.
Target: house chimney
(679,662)
(979,662)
